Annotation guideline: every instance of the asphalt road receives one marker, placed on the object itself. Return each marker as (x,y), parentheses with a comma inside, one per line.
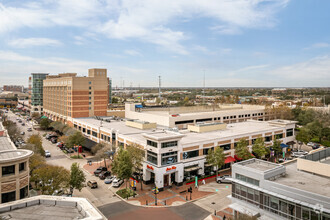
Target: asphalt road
(122,210)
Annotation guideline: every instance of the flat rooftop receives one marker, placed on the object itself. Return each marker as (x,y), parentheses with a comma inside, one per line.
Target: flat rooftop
(261,166)
(14,154)
(42,212)
(304,180)
(232,130)
(5,144)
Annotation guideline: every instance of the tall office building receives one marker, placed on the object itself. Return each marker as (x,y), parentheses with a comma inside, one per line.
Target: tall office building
(68,96)
(36,83)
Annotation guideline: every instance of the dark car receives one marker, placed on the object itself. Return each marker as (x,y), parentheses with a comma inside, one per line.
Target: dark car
(104,174)
(54,140)
(316,146)
(92,184)
(99,170)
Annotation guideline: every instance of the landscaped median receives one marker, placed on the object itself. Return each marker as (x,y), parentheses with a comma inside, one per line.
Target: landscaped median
(126,193)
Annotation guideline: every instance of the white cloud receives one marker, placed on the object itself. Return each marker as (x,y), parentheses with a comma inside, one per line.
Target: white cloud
(31,42)
(133,53)
(317,45)
(148,20)
(311,72)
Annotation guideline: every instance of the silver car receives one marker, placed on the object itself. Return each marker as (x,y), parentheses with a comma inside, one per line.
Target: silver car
(224,179)
(117,182)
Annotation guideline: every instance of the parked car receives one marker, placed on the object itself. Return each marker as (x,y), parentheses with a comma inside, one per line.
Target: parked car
(117,182)
(310,144)
(29,129)
(316,146)
(299,153)
(23,124)
(92,184)
(53,140)
(59,144)
(109,179)
(22,133)
(104,174)
(47,153)
(223,179)
(99,170)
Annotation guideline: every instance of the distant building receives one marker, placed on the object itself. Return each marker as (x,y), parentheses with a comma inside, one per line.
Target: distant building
(68,96)
(278,91)
(298,189)
(13,88)
(37,92)
(181,117)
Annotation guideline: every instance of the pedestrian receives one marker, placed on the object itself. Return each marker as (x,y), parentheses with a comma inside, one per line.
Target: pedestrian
(203,182)
(224,217)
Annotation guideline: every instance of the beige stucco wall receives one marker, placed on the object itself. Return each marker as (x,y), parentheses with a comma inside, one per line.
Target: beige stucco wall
(313,167)
(141,125)
(206,128)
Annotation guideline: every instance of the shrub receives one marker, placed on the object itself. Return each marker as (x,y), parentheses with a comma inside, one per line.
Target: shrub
(325,143)
(124,193)
(76,157)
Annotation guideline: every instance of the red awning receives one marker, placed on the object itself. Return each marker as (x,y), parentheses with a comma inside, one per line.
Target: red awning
(229,159)
(237,158)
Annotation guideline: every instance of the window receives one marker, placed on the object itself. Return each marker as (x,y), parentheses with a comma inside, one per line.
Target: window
(278,136)
(184,122)
(102,136)
(8,197)
(254,140)
(90,108)
(90,98)
(169,144)
(268,138)
(289,132)
(94,133)
(169,158)
(225,146)
(89,103)
(152,157)
(152,143)
(23,192)
(190,154)
(89,82)
(84,130)
(21,167)
(90,87)
(204,119)
(8,170)
(206,151)
(88,131)
(89,93)
(305,213)
(247,179)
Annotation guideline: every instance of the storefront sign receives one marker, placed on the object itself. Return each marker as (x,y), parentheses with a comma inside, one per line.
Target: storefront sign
(170,168)
(150,167)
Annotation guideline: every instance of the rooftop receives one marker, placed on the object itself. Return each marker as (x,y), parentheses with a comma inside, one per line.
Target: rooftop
(261,165)
(50,208)
(14,154)
(5,144)
(304,180)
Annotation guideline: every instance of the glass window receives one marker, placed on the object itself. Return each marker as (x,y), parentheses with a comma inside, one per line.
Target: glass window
(274,204)
(190,154)
(152,157)
(169,158)
(268,138)
(94,133)
(8,197)
(289,132)
(84,130)
(152,143)
(88,131)
(305,213)
(279,136)
(90,87)
(169,144)
(225,146)
(21,167)
(23,193)
(7,170)
(206,151)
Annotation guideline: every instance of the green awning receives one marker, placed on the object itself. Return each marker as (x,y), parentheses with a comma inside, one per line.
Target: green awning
(43,117)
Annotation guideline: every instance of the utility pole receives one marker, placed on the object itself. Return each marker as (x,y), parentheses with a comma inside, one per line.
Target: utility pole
(159,85)
(204,88)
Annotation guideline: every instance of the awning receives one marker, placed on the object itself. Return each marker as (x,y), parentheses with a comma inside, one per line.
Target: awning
(237,158)
(207,165)
(189,169)
(138,106)
(284,145)
(43,116)
(229,159)
(291,143)
(244,210)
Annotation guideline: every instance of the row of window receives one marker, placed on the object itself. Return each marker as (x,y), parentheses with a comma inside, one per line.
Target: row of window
(247,179)
(281,207)
(163,145)
(10,170)
(11,196)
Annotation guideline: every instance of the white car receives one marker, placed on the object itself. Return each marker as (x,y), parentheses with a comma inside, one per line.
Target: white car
(47,153)
(299,153)
(310,144)
(223,179)
(117,182)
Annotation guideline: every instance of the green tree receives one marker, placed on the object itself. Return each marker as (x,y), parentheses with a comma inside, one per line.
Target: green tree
(49,178)
(105,153)
(277,147)
(303,135)
(36,141)
(315,129)
(216,158)
(77,178)
(242,150)
(75,139)
(137,158)
(259,147)
(44,123)
(122,165)
(36,161)
(97,147)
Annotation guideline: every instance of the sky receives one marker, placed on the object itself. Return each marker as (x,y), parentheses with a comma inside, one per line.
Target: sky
(235,43)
